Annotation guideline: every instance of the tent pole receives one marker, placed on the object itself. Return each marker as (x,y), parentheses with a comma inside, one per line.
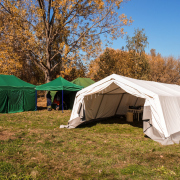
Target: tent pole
(36,100)
(119,103)
(62,101)
(136,101)
(99,106)
(111,90)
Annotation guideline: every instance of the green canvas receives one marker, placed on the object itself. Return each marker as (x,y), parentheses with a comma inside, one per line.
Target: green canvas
(16,95)
(3,101)
(83,81)
(58,85)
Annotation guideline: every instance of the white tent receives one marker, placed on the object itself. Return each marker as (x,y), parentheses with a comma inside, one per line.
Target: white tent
(114,94)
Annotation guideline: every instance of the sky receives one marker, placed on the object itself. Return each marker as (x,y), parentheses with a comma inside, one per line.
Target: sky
(160,20)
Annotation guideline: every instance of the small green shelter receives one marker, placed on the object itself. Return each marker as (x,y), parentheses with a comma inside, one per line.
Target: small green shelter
(66,89)
(83,81)
(16,95)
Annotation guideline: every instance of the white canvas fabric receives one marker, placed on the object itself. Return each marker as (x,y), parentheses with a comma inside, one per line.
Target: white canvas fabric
(114,94)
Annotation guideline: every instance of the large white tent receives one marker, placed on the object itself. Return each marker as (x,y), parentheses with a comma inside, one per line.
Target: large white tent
(114,94)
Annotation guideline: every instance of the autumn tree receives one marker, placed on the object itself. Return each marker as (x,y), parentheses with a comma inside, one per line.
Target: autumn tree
(77,69)
(52,33)
(138,42)
(126,63)
(163,69)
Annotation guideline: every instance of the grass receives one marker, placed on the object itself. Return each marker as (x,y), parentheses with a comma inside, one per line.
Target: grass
(32,146)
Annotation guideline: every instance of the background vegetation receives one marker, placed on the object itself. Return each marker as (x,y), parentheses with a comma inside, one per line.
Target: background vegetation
(130,61)
(53,35)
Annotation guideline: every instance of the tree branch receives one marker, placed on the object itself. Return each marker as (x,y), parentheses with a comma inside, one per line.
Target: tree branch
(56,65)
(58,52)
(89,29)
(41,4)
(23,20)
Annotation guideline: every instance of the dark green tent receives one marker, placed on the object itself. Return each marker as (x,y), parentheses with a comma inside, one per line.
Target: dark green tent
(59,84)
(83,81)
(67,89)
(16,95)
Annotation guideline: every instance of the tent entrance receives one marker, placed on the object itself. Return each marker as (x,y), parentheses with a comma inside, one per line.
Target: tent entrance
(112,101)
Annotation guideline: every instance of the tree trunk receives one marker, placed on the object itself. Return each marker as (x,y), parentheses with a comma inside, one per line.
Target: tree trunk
(48,55)
(47,76)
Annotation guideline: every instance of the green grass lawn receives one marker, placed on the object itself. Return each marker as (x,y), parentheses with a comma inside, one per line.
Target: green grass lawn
(32,146)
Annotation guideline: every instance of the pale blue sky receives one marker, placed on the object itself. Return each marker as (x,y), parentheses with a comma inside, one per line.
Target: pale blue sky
(161,21)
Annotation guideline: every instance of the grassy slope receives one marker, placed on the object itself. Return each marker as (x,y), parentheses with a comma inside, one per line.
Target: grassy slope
(32,146)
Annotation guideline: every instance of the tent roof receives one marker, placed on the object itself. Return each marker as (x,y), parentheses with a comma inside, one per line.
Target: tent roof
(83,81)
(59,84)
(149,88)
(8,81)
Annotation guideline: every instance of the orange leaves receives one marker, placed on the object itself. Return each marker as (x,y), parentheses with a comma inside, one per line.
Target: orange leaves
(119,62)
(139,66)
(164,70)
(9,62)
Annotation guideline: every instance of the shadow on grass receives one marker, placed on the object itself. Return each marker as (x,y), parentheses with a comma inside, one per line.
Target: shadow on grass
(111,120)
(41,108)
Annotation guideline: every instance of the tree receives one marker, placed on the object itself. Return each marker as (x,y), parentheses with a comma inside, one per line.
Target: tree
(138,42)
(78,69)
(52,33)
(126,63)
(164,69)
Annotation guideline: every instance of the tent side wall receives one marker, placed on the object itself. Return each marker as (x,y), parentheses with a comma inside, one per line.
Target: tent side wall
(14,100)
(30,100)
(3,101)
(108,105)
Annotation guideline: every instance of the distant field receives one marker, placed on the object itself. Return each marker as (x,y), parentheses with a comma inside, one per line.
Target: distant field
(32,146)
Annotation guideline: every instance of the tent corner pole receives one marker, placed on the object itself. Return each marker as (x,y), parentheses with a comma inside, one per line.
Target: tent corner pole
(62,101)
(36,100)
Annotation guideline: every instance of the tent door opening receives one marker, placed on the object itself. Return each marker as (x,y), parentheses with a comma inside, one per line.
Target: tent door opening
(114,104)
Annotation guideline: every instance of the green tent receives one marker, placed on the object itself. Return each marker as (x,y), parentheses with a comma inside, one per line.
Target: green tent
(66,89)
(16,95)
(83,81)
(59,84)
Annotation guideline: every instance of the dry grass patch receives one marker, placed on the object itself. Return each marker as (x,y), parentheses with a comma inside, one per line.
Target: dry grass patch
(5,135)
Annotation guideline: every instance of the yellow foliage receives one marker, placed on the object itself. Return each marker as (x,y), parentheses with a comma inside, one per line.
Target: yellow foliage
(50,39)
